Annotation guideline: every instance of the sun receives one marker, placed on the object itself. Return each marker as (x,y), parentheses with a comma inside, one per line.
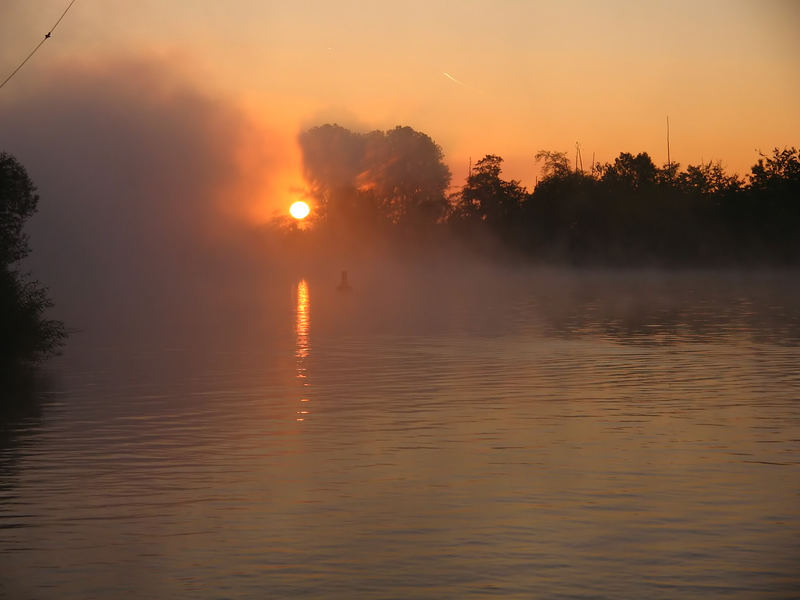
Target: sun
(299,210)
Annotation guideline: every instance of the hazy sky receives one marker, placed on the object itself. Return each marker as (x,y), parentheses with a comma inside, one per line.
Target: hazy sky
(524,76)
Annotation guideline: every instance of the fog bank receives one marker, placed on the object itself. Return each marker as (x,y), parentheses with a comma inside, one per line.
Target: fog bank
(145,184)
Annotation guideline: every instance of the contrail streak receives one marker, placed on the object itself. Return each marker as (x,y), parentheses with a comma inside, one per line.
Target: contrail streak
(453,79)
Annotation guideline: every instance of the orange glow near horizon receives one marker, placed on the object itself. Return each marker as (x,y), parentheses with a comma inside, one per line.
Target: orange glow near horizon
(506,78)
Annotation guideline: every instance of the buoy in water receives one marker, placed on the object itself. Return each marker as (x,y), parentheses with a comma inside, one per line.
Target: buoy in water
(344,286)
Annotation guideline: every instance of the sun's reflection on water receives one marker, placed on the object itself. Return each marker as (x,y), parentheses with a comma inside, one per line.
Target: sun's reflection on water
(303,321)
(302,346)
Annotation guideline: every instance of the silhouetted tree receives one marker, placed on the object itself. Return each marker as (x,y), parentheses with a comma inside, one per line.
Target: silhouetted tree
(706,179)
(489,198)
(406,173)
(625,211)
(554,164)
(629,171)
(18,201)
(332,160)
(772,202)
(379,178)
(781,170)
(667,174)
(25,335)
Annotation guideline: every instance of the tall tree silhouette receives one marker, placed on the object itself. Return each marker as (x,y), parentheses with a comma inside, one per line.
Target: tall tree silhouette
(554,164)
(630,172)
(406,172)
(397,177)
(489,198)
(773,202)
(25,335)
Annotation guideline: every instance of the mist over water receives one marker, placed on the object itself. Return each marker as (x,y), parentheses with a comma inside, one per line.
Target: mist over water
(146,187)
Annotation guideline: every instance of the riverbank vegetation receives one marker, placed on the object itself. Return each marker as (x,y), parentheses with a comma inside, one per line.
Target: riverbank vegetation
(393,186)
(26,335)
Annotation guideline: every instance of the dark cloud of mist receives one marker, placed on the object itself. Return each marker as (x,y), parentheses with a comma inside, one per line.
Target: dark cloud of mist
(140,184)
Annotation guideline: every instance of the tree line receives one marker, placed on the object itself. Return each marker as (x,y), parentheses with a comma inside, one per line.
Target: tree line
(395,184)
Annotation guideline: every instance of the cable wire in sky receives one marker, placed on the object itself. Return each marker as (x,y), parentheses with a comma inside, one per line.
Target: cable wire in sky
(39,45)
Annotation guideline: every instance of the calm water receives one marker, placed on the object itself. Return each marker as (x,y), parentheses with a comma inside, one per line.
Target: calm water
(519,435)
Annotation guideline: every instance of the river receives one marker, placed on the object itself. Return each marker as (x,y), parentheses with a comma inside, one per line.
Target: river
(516,434)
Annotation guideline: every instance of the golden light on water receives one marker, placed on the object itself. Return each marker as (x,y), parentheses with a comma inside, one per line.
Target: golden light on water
(299,210)
(302,323)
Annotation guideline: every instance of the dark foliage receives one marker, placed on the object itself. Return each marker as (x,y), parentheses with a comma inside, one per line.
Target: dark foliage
(365,181)
(630,211)
(25,335)
(488,199)
(18,201)
(391,185)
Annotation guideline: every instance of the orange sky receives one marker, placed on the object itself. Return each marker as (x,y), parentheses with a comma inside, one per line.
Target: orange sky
(534,75)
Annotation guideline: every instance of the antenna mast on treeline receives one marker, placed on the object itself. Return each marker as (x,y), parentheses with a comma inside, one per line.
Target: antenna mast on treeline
(669,160)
